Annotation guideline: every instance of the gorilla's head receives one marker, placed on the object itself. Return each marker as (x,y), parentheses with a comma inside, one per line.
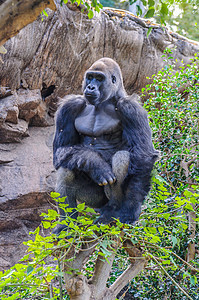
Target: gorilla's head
(102,81)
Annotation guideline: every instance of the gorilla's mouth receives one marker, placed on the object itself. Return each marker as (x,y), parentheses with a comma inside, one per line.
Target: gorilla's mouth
(91,95)
(92,98)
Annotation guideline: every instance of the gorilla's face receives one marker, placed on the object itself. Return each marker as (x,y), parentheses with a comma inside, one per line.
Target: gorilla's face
(94,82)
(103,81)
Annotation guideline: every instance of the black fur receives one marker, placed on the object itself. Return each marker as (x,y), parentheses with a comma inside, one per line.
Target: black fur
(86,167)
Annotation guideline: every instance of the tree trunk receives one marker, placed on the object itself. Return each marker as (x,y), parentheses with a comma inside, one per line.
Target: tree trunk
(79,288)
(17,14)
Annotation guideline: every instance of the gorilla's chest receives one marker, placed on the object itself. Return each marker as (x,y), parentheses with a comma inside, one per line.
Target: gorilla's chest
(96,122)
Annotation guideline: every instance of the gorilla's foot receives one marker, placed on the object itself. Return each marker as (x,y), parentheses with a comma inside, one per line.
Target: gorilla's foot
(127,220)
(58,228)
(104,220)
(108,214)
(107,219)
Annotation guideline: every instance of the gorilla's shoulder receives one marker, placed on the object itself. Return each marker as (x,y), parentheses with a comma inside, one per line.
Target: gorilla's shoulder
(72,103)
(71,100)
(131,105)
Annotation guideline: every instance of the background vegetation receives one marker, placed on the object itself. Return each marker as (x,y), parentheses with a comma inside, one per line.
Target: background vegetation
(180,16)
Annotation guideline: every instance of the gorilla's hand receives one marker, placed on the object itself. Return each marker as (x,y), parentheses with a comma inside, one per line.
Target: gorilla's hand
(103,175)
(93,164)
(86,160)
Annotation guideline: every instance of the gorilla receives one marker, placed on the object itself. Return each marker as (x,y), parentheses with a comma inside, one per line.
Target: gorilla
(102,148)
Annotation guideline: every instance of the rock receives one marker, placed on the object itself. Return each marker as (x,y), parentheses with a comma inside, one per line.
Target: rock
(10,132)
(29,166)
(26,178)
(25,107)
(9,110)
(28,102)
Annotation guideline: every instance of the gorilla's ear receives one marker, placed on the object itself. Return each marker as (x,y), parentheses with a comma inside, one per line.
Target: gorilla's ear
(113,79)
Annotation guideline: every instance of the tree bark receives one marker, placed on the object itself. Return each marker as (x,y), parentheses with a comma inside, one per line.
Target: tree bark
(15,15)
(79,288)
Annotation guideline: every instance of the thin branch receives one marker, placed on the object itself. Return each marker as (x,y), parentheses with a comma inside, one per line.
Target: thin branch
(171,252)
(132,271)
(163,269)
(60,281)
(186,263)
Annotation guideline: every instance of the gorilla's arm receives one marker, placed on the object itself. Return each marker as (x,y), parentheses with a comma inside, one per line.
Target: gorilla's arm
(67,151)
(66,135)
(137,135)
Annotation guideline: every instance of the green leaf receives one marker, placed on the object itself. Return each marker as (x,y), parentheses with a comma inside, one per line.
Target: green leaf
(149,31)
(46,225)
(45,13)
(184,226)
(150,13)
(155,239)
(80,206)
(164,9)
(193,280)
(132,1)
(152,230)
(3,50)
(187,193)
(90,14)
(29,270)
(166,262)
(174,240)
(166,216)
(139,10)
(52,213)
(189,207)
(62,200)
(90,210)
(185,274)
(54,195)
(151,3)
(161,230)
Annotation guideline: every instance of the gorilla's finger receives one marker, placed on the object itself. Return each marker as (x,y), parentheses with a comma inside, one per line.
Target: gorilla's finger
(102,182)
(111,179)
(105,182)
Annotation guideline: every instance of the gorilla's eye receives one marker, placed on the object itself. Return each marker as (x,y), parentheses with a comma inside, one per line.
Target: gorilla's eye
(113,79)
(99,78)
(89,77)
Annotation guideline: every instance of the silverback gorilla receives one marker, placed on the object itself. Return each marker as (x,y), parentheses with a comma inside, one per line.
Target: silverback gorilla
(102,147)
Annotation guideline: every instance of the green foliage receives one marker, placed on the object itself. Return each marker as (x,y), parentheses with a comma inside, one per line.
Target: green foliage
(174,122)
(173,106)
(162,226)
(186,21)
(87,6)
(180,15)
